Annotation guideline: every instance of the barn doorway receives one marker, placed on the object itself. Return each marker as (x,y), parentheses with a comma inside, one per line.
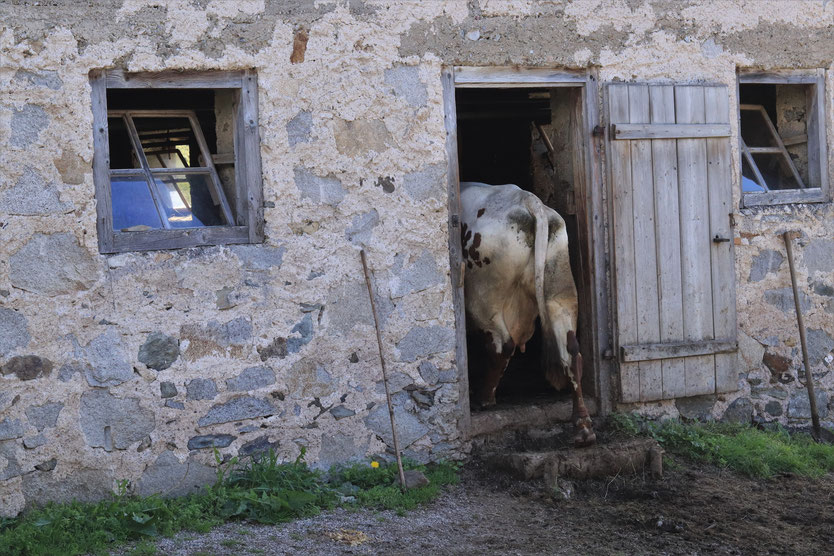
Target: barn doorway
(534,133)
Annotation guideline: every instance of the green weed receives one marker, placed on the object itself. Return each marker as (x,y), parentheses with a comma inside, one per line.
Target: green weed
(753,452)
(261,489)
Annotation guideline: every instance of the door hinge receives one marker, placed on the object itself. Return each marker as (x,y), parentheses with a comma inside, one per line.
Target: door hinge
(455,221)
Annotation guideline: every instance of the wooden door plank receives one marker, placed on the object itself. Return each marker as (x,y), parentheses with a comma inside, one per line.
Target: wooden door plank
(696,277)
(719,178)
(667,220)
(637,130)
(624,275)
(645,254)
(669,350)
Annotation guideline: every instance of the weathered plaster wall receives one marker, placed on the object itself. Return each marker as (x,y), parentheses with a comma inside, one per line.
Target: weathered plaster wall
(133,366)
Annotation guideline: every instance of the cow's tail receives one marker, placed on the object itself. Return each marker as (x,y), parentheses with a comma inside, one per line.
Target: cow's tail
(540,257)
(551,354)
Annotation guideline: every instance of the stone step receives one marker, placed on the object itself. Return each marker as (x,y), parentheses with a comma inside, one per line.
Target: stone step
(621,457)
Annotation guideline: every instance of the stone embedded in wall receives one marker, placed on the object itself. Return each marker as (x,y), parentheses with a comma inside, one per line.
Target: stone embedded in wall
(348,305)
(226,298)
(428,372)
(341,412)
(426,340)
(14,331)
(44,416)
(820,344)
(251,378)
(8,452)
(405,82)
(48,465)
(159,351)
(32,196)
(799,405)
(276,348)
(69,370)
(216,339)
(698,408)
(304,329)
(259,257)
(210,441)
(773,408)
(740,411)
(341,448)
(257,447)
(82,485)
(818,256)
(764,263)
(52,264)
(327,190)
(27,124)
(10,428)
(782,299)
(72,167)
(823,289)
(167,389)
(430,182)
(237,409)
(409,428)
(103,361)
(361,228)
(27,367)
(43,78)
(308,378)
(127,420)
(170,478)
(200,389)
(422,274)
(32,442)
(779,367)
(750,352)
(300,128)
(359,137)
(386,183)
(174,405)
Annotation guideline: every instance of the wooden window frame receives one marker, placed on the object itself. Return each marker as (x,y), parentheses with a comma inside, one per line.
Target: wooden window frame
(248,226)
(817,141)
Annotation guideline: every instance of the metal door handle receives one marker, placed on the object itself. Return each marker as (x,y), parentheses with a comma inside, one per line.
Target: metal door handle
(719,239)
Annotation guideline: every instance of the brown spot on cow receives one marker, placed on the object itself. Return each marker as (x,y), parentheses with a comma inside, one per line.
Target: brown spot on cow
(476,241)
(486,260)
(481,212)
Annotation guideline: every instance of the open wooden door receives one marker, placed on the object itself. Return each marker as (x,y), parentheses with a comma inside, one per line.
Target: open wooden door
(671,178)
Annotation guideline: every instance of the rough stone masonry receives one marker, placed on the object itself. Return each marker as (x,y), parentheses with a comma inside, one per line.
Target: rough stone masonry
(136,366)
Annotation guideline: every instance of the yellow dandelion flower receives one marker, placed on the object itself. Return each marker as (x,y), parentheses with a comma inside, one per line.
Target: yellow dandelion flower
(374,464)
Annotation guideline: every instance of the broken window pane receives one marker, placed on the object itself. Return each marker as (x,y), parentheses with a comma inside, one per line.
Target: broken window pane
(775,170)
(188,201)
(754,129)
(122,155)
(168,142)
(132,203)
(749,181)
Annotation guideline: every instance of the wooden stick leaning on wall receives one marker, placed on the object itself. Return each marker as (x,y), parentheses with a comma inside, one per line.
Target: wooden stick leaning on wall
(809,377)
(384,374)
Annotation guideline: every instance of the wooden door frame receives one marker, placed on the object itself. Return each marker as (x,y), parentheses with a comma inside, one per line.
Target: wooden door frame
(590,214)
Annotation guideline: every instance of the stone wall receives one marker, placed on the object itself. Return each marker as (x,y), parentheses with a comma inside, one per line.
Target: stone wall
(135,366)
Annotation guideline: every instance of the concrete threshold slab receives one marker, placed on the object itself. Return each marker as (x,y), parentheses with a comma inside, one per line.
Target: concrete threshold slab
(536,414)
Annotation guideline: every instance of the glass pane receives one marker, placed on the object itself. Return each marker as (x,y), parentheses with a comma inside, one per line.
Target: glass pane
(187,200)
(122,155)
(132,203)
(775,171)
(749,183)
(168,142)
(754,129)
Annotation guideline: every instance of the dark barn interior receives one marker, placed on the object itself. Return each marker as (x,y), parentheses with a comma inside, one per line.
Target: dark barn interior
(499,141)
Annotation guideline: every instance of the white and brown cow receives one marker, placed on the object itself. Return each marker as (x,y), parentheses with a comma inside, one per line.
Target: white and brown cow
(517,269)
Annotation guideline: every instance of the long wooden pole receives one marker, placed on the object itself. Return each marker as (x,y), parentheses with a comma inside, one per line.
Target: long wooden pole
(809,377)
(384,373)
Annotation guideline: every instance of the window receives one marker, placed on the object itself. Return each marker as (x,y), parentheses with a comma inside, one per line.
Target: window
(782,138)
(176,161)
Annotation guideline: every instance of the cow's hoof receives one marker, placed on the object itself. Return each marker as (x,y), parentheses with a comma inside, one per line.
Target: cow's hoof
(583,433)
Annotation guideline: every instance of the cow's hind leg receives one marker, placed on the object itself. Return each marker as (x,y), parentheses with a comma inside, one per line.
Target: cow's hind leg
(583,432)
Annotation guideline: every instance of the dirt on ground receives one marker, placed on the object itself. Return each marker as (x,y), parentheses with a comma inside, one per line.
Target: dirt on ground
(691,510)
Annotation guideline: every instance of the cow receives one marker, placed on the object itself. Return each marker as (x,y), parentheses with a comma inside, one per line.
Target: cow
(517,269)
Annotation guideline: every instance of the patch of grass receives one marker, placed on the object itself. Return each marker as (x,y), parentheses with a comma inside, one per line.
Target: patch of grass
(261,489)
(753,452)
